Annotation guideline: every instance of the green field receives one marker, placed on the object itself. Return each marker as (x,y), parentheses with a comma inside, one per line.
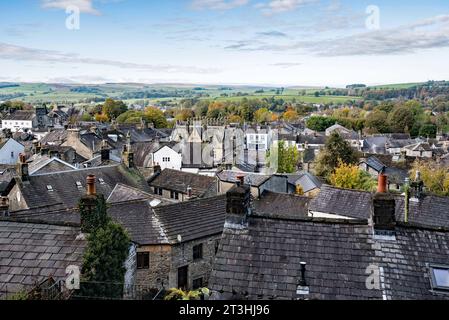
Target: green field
(397,86)
(36,93)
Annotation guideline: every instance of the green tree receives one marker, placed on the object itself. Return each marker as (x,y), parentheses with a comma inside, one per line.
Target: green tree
(320,123)
(112,108)
(335,151)
(156,116)
(262,115)
(108,244)
(428,130)
(377,121)
(402,119)
(287,157)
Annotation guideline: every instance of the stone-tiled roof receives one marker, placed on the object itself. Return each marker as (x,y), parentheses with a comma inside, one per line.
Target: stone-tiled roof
(44,164)
(123,193)
(352,203)
(21,115)
(430,211)
(179,181)
(253,179)
(32,252)
(65,191)
(263,260)
(192,219)
(272,203)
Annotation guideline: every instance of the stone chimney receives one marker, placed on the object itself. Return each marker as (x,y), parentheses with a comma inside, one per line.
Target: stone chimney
(127,154)
(238,199)
(73,134)
(88,205)
(22,168)
(384,207)
(104,151)
(36,147)
(4,207)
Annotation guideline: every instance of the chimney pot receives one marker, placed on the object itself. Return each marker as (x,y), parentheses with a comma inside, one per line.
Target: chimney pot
(91,189)
(382,183)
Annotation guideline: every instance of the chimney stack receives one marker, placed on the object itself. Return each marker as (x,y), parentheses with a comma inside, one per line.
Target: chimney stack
(384,207)
(91,189)
(128,155)
(4,207)
(22,168)
(238,199)
(104,151)
(189,192)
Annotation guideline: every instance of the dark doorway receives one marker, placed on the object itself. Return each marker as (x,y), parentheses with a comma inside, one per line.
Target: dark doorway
(183,277)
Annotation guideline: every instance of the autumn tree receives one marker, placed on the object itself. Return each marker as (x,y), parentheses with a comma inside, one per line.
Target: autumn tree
(262,115)
(290,115)
(335,151)
(350,176)
(434,176)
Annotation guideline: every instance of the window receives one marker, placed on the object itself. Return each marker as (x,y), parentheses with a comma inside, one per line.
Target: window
(172,194)
(160,191)
(49,188)
(198,252)
(197,283)
(12,154)
(143,260)
(439,276)
(155,191)
(176,196)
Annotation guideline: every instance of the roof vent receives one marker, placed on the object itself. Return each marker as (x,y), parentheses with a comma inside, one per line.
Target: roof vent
(49,188)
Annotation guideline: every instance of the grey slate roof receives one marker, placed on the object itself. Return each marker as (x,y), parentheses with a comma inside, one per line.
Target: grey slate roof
(65,190)
(123,193)
(307,181)
(253,179)
(375,163)
(262,261)
(352,203)
(431,211)
(271,203)
(24,115)
(193,219)
(32,252)
(179,181)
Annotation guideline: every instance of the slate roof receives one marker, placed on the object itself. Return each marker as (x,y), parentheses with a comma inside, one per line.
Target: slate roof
(431,211)
(312,139)
(123,193)
(55,137)
(271,203)
(374,144)
(179,181)
(32,252)
(375,163)
(352,203)
(66,193)
(307,181)
(21,115)
(262,261)
(44,164)
(192,219)
(253,179)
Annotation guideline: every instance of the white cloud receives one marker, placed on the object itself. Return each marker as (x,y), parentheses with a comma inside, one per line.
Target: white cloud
(19,53)
(85,6)
(279,6)
(424,34)
(218,4)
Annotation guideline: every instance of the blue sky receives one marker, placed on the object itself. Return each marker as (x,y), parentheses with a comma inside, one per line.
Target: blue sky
(263,42)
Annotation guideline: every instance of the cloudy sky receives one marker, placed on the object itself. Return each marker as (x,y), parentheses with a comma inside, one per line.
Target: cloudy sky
(268,42)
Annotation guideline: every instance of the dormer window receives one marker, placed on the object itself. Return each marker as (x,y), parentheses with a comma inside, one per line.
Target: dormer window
(439,277)
(49,188)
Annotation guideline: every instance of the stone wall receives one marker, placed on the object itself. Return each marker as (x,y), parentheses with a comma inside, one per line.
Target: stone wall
(157,274)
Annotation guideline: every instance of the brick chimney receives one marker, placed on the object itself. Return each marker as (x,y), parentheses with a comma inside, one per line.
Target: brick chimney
(4,207)
(384,206)
(22,168)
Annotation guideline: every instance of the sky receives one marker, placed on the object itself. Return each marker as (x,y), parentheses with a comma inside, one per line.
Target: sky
(251,42)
